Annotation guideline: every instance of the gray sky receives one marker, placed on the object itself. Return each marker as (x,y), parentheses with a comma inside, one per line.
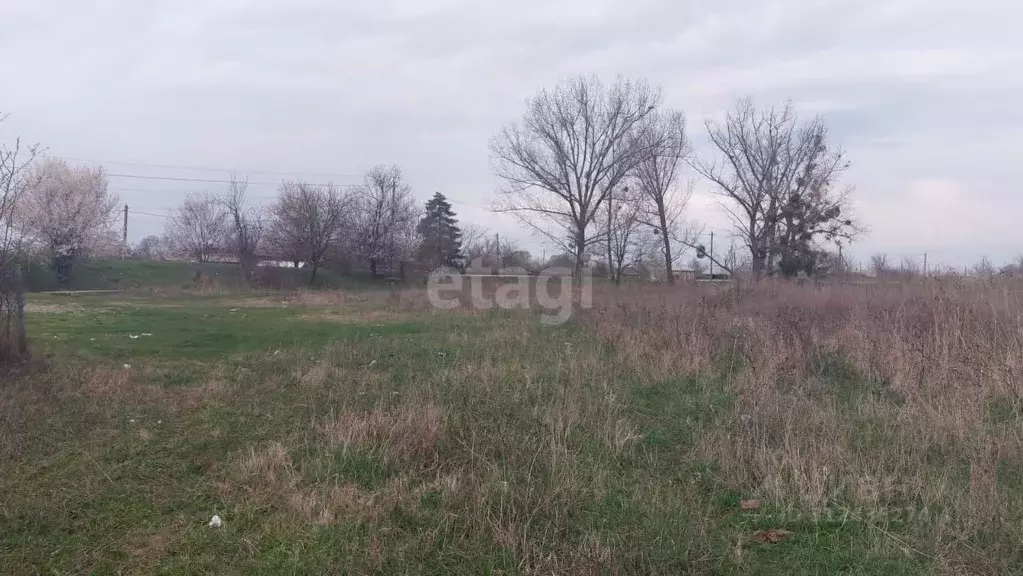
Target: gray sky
(923,94)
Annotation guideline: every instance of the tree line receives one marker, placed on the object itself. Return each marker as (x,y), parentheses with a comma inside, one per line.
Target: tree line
(598,168)
(603,171)
(376,224)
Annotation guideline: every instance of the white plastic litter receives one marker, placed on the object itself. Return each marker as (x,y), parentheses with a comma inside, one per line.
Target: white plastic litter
(133,336)
(216,522)
(127,366)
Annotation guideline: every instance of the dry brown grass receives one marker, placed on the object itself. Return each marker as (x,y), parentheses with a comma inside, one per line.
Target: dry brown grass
(405,432)
(131,385)
(51,308)
(877,396)
(45,392)
(266,474)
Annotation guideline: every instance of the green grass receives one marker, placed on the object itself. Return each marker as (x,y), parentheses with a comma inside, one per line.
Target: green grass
(183,333)
(136,274)
(127,274)
(551,454)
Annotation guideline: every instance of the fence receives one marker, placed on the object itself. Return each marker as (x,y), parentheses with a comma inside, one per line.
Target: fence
(13,336)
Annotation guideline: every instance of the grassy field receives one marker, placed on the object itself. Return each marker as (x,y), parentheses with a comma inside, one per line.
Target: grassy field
(791,430)
(142,274)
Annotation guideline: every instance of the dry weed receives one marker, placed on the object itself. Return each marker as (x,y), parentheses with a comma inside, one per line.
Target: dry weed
(870,395)
(404,432)
(129,385)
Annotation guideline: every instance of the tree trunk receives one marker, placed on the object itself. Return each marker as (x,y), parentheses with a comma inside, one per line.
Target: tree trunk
(667,243)
(21,342)
(611,264)
(580,246)
(312,277)
(62,265)
(758,264)
(373,267)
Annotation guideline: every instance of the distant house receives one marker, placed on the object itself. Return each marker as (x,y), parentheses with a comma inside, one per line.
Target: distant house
(715,277)
(639,273)
(684,274)
(223,258)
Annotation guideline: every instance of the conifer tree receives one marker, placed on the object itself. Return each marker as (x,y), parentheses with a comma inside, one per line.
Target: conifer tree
(441,239)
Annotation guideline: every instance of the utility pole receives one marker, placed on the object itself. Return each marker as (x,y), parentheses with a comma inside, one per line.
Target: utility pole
(711,255)
(925,264)
(124,235)
(497,248)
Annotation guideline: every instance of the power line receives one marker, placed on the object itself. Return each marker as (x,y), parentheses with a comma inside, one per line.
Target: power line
(220,181)
(214,181)
(149,214)
(209,169)
(147,191)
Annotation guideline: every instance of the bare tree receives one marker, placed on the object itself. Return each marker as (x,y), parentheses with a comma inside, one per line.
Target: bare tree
(776,178)
(473,236)
(1014,268)
(487,250)
(245,226)
(880,266)
(657,175)
(15,162)
(620,221)
(68,212)
(983,269)
(574,146)
(149,248)
(646,253)
(198,227)
(697,267)
(387,216)
(909,267)
(307,221)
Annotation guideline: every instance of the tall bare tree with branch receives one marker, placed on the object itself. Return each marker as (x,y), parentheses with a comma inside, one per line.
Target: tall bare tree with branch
(572,148)
(307,221)
(387,216)
(776,178)
(620,220)
(245,226)
(15,163)
(199,226)
(663,195)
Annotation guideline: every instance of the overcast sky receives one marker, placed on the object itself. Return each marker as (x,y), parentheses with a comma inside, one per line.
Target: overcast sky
(923,94)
